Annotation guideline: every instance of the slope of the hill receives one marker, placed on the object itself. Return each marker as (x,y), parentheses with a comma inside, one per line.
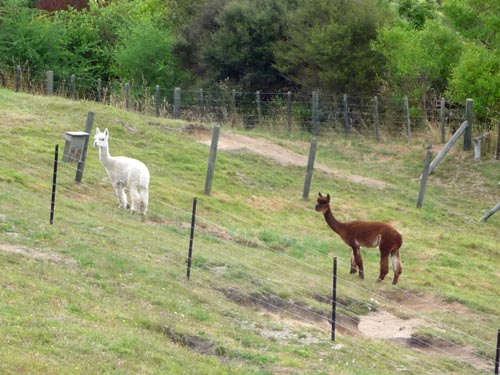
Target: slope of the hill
(102,292)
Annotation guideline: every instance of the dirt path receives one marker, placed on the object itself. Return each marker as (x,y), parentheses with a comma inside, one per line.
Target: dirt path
(263,147)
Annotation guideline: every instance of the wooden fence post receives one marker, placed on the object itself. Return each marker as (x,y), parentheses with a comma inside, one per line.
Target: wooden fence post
(347,126)
(73,87)
(81,163)
(258,100)
(18,78)
(425,175)
(233,108)
(408,123)
(49,87)
(127,96)
(177,103)
(491,212)
(202,103)
(211,160)
(310,169)
(376,118)
(315,113)
(157,100)
(469,113)
(442,116)
(99,90)
(289,110)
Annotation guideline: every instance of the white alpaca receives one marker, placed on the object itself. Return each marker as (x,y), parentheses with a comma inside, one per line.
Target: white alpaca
(124,173)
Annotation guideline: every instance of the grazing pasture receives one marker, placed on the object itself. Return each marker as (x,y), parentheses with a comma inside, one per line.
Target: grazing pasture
(101,291)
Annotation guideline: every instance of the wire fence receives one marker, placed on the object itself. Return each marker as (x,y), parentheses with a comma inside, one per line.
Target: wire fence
(315,112)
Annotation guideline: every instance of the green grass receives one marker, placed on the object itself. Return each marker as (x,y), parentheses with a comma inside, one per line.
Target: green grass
(101,292)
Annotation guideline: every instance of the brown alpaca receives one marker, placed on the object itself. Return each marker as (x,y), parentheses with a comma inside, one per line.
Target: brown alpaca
(366,234)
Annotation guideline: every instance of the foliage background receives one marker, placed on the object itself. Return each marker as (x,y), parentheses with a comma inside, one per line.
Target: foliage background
(418,48)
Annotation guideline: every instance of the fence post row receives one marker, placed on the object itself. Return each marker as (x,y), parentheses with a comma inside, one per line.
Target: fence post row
(49,89)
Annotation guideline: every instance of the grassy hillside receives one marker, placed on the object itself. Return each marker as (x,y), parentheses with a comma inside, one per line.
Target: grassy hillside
(102,292)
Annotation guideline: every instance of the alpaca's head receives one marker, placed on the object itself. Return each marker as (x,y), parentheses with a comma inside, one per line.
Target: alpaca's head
(323,203)
(101,138)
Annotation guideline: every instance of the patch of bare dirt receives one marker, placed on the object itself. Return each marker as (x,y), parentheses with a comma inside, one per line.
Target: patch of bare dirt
(35,254)
(378,325)
(284,156)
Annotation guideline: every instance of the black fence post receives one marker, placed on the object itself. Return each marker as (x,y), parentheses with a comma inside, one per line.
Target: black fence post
(54,184)
(334,298)
(191,239)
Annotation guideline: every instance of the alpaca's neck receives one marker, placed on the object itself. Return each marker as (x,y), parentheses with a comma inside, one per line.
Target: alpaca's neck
(104,156)
(333,223)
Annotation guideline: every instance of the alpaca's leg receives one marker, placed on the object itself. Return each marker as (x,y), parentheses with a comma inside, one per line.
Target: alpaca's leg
(359,261)
(144,201)
(135,199)
(120,193)
(354,267)
(396,265)
(384,265)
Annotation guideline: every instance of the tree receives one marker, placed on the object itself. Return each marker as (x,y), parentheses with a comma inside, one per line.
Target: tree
(477,76)
(328,45)
(418,60)
(233,40)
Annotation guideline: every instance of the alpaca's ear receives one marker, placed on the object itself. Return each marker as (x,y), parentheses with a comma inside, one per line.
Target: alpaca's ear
(106,132)
(97,130)
(328,197)
(320,195)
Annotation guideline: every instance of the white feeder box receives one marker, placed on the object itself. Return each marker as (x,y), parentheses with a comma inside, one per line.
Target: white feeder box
(74,146)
